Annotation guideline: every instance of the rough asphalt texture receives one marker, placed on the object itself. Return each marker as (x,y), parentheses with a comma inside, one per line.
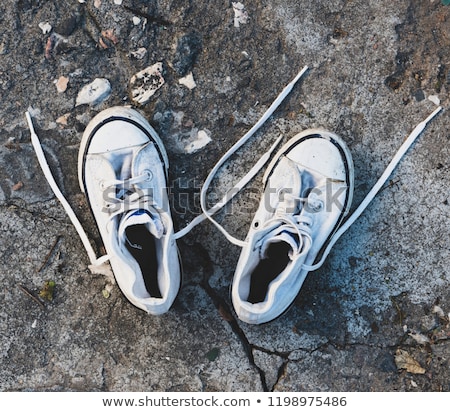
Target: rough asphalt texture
(375,69)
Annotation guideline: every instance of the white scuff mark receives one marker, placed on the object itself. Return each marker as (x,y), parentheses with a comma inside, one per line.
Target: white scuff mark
(188,81)
(435,99)
(46,27)
(139,53)
(118,2)
(136,20)
(97,3)
(203,138)
(240,14)
(94,93)
(146,82)
(34,324)
(81,1)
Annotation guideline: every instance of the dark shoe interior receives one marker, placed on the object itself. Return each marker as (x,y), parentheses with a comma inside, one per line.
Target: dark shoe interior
(141,245)
(267,270)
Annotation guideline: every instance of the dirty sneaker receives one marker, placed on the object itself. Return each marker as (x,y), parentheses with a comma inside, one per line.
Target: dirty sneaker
(122,169)
(308,190)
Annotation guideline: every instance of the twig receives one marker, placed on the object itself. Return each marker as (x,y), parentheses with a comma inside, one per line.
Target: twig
(149,18)
(49,254)
(30,295)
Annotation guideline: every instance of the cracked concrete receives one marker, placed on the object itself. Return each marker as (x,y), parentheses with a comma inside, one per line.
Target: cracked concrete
(385,286)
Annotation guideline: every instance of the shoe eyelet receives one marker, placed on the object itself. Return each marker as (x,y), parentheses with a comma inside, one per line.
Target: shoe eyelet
(256,224)
(315,206)
(148,175)
(281,193)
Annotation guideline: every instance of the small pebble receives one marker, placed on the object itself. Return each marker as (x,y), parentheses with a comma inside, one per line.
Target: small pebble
(61,84)
(201,141)
(17,186)
(139,53)
(435,99)
(188,81)
(94,93)
(146,82)
(45,27)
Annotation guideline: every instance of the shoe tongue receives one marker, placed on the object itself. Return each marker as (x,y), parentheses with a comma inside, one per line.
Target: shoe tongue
(153,223)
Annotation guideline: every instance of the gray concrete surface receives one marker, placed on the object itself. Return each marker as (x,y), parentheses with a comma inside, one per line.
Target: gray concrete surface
(385,286)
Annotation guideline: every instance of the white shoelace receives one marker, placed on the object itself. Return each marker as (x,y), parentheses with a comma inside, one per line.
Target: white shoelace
(126,199)
(208,213)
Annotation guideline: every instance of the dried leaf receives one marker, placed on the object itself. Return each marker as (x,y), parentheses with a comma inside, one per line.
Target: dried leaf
(404,360)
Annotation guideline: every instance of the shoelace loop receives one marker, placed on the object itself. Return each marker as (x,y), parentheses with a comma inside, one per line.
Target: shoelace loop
(289,219)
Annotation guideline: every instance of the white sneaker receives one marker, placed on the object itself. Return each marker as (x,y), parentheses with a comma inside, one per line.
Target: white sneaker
(122,169)
(308,189)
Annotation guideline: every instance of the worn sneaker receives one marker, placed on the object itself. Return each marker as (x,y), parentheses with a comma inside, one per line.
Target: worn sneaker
(308,189)
(122,169)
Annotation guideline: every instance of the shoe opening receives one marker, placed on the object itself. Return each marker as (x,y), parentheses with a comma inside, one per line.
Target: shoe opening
(141,244)
(277,258)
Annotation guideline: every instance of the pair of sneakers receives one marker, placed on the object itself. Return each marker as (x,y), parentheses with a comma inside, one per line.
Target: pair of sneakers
(122,169)
(307,193)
